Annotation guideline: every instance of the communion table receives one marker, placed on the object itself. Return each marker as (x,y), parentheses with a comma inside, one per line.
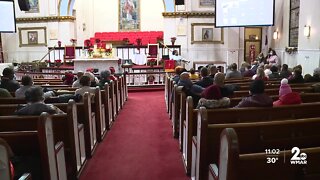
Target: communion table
(82,64)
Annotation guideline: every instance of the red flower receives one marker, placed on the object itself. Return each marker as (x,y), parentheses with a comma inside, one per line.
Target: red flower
(87,43)
(57,60)
(97,41)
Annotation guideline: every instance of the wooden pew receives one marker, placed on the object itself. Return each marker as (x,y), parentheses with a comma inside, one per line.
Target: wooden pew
(5,170)
(66,129)
(107,100)
(39,142)
(243,154)
(176,110)
(206,118)
(274,91)
(87,118)
(84,116)
(114,99)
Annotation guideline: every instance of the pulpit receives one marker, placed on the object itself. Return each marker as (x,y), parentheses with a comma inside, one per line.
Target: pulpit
(69,54)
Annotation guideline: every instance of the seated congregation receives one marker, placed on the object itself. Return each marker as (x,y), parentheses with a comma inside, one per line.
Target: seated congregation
(236,111)
(49,128)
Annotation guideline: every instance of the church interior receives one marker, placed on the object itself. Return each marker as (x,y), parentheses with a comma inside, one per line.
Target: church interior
(161,89)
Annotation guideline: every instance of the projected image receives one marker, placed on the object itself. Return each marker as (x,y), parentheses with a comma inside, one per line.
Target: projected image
(7,23)
(244,13)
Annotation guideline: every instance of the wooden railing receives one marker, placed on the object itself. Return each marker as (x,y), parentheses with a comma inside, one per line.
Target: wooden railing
(123,52)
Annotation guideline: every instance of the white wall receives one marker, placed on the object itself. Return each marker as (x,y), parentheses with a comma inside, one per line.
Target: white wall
(63,30)
(308,54)
(102,16)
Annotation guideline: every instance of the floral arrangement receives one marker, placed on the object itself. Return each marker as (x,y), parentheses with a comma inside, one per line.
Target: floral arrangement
(73,41)
(138,40)
(59,43)
(87,43)
(291,50)
(57,62)
(90,51)
(151,62)
(159,39)
(108,51)
(173,40)
(126,40)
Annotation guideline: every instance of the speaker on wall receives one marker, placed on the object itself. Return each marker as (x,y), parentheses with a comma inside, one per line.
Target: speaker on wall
(24,5)
(179,2)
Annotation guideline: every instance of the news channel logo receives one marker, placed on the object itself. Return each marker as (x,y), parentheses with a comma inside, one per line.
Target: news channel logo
(274,155)
(298,158)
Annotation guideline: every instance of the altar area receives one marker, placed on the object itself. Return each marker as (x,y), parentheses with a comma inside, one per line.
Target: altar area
(82,64)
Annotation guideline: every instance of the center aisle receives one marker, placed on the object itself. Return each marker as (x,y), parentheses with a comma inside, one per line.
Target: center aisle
(140,145)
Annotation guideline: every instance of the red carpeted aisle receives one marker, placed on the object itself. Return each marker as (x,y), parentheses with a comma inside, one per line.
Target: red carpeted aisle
(139,145)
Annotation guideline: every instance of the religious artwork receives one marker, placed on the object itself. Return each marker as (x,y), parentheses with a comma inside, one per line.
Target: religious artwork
(34,6)
(32,37)
(129,15)
(206,3)
(206,33)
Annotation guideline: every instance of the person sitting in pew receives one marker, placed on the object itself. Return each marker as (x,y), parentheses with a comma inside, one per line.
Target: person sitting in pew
(189,88)
(233,73)
(286,96)
(260,75)
(216,100)
(248,72)
(205,81)
(27,83)
(93,80)
(76,83)
(35,99)
(68,78)
(85,86)
(104,78)
(178,71)
(257,96)
(297,75)
(7,81)
(226,90)
(112,74)
(274,73)
(4,93)
(193,75)
(212,71)
(285,73)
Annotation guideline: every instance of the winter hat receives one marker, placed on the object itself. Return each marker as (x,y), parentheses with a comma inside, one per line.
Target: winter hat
(284,87)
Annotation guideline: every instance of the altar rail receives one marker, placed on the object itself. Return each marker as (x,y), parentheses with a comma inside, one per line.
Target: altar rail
(123,52)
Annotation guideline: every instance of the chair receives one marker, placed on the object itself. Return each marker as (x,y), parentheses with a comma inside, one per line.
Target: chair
(69,53)
(153,52)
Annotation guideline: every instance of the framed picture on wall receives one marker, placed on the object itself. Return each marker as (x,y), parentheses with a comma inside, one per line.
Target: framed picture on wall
(129,15)
(32,36)
(206,33)
(34,6)
(206,3)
